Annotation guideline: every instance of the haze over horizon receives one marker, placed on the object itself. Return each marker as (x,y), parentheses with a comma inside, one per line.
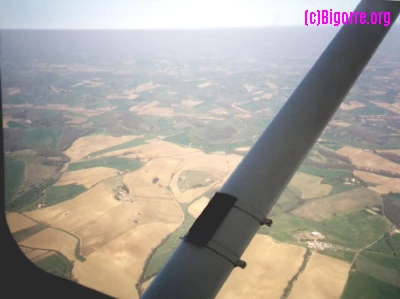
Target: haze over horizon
(160,14)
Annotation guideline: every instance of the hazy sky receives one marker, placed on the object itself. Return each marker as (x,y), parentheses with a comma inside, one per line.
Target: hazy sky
(132,14)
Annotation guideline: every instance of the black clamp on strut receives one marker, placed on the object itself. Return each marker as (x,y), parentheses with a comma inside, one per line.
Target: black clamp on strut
(205,226)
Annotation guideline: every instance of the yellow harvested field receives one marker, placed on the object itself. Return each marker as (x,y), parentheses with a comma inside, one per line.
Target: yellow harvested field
(368,160)
(17,106)
(115,268)
(25,249)
(271,85)
(218,166)
(7,118)
(154,149)
(307,186)
(89,144)
(371,177)
(146,284)
(140,182)
(198,206)
(202,85)
(90,83)
(385,184)
(248,87)
(339,124)
(393,185)
(339,204)
(42,256)
(12,91)
(257,92)
(87,177)
(323,277)
(158,111)
(242,115)
(352,105)
(391,107)
(53,239)
(265,96)
(146,87)
(35,253)
(218,111)
(72,215)
(75,120)
(270,266)
(17,222)
(235,106)
(190,103)
(144,106)
(242,150)
(127,216)
(394,151)
(126,94)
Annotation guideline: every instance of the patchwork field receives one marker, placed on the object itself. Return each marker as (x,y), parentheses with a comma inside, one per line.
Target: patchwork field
(395,107)
(35,253)
(340,124)
(53,239)
(366,160)
(307,186)
(73,214)
(89,144)
(35,171)
(7,118)
(338,204)
(270,266)
(154,127)
(395,151)
(379,272)
(351,105)
(152,149)
(17,222)
(87,177)
(115,267)
(217,166)
(384,184)
(115,236)
(323,277)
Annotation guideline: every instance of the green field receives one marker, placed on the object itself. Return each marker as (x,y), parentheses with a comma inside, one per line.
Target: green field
(193,179)
(184,137)
(385,260)
(132,143)
(112,162)
(25,233)
(56,264)
(287,201)
(395,239)
(28,198)
(347,256)
(330,174)
(57,194)
(354,230)
(13,176)
(381,246)
(382,273)
(331,177)
(363,286)
(163,252)
(41,139)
